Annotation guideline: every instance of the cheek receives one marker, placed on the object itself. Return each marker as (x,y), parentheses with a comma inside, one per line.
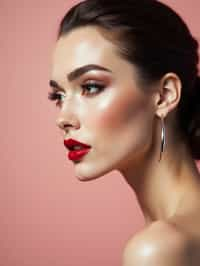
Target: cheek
(119,127)
(117,113)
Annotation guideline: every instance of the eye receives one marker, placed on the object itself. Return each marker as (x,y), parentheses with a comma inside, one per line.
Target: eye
(55,96)
(92,88)
(89,89)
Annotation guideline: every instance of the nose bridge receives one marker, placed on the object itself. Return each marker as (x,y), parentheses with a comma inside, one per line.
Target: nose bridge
(67,116)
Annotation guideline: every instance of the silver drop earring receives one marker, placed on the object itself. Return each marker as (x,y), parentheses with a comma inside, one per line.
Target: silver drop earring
(163,138)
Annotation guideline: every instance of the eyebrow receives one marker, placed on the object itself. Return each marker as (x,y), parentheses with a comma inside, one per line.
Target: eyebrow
(78,72)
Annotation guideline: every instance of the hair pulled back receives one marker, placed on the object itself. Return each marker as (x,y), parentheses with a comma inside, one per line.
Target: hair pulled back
(156,40)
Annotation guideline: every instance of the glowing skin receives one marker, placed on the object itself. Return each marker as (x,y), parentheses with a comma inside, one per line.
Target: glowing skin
(117,121)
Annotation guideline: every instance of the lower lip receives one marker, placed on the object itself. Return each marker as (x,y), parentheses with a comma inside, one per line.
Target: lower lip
(77,154)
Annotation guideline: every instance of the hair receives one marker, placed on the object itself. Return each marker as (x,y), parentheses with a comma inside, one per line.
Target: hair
(154,38)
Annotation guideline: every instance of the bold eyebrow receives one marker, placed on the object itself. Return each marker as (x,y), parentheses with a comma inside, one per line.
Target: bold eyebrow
(81,70)
(54,84)
(77,73)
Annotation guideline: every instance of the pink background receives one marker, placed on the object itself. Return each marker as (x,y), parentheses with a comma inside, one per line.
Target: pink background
(47,216)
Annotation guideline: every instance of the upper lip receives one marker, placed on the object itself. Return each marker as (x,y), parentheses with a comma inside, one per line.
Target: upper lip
(70,143)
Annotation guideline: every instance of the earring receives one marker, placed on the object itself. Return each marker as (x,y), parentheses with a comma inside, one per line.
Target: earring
(163,138)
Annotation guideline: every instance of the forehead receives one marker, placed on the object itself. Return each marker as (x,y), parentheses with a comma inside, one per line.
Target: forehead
(84,45)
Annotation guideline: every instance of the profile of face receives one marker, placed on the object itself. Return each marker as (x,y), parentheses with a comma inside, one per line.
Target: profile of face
(103,106)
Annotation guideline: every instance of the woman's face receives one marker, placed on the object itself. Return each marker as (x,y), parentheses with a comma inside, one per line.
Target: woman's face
(114,116)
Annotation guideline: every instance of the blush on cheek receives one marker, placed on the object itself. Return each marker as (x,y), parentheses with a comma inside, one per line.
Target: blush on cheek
(118,113)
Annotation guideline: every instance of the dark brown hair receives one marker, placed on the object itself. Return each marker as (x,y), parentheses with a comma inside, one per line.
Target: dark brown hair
(156,40)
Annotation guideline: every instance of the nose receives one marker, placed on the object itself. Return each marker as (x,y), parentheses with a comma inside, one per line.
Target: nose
(66,122)
(68,118)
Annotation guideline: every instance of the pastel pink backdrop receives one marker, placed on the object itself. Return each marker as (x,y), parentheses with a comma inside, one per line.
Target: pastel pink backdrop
(47,216)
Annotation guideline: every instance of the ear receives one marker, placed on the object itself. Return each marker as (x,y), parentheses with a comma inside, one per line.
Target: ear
(168,94)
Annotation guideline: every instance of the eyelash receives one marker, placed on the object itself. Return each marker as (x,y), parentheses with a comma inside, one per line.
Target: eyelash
(55,96)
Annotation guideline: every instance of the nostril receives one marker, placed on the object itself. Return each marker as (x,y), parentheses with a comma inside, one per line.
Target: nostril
(65,126)
(61,123)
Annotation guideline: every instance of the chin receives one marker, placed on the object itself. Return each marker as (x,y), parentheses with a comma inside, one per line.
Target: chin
(86,178)
(91,174)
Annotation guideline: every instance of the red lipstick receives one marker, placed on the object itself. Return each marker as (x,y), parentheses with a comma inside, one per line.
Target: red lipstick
(76,154)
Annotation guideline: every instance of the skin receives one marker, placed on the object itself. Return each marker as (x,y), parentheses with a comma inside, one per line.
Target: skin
(122,124)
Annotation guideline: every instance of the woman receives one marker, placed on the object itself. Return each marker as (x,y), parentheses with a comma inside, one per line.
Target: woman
(125,79)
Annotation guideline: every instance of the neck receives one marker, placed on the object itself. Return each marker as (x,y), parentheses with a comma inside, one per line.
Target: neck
(166,188)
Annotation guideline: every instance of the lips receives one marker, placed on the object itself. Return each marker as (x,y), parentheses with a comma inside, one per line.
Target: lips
(76,154)
(71,143)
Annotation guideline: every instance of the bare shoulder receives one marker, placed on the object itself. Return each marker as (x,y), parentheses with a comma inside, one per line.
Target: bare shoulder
(161,244)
